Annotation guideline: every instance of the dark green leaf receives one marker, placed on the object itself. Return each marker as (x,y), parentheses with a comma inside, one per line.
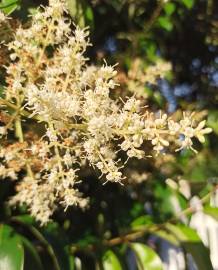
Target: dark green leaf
(11,249)
(110,261)
(147,259)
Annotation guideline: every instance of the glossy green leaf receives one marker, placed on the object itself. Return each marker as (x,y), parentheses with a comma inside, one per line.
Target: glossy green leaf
(147,259)
(11,249)
(8,6)
(211,211)
(192,244)
(188,3)
(110,261)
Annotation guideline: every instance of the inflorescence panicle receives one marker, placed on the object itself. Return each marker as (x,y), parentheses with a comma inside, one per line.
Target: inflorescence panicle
(50,82)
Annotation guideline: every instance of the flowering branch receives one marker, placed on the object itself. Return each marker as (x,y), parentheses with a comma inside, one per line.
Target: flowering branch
(51,82)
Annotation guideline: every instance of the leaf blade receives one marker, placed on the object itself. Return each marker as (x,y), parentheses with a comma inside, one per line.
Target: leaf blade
(11,249)
(147,258)
(110,261)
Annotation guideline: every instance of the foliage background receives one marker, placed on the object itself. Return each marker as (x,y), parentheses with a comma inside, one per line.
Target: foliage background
(126,222)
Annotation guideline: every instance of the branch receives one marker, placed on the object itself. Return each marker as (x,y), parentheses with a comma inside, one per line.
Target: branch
(152,228)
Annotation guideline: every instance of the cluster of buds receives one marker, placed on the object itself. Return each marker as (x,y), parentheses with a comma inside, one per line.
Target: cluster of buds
(59,116)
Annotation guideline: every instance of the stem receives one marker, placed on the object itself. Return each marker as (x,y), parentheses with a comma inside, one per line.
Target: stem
(18,129)
(22,111)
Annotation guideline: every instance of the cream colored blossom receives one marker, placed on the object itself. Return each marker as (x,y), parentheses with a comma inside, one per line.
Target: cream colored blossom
(80,123)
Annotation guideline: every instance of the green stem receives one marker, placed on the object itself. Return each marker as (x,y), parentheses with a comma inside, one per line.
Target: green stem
(18,129)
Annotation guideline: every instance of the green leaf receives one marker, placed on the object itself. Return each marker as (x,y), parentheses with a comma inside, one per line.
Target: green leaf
(147,259)
(192,244)
(211,211)
(11,249)
(188,3)
(169,8)
(8,6)
(110,261)
(141,222)
(32,260)
(165,23)
(27,221)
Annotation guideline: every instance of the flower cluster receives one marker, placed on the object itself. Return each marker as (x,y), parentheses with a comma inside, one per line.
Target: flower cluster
(71,120)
